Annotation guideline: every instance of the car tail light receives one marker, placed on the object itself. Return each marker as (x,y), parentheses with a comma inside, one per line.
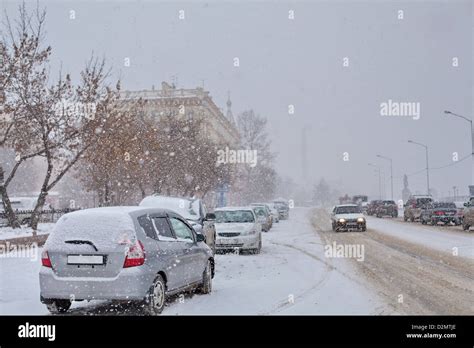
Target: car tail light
(135,255)
(45,260)
(438,213)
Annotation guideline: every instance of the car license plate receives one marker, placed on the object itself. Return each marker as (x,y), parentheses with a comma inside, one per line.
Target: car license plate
(85,259)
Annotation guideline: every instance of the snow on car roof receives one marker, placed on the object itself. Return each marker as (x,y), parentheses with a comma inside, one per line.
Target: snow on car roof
(233,208)
(106,211)
(186,207)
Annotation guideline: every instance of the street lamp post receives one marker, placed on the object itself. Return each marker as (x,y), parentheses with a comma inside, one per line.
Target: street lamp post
(391,172)
(447,112)
(427,165)
(377,169)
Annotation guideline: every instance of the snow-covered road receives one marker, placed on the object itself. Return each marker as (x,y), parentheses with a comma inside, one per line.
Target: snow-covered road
(413,267)
(290,276)
(444,238)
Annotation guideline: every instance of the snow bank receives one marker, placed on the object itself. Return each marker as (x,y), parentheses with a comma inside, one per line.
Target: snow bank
(8,232)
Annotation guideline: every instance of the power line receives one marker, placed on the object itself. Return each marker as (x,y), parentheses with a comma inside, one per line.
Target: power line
(436,168)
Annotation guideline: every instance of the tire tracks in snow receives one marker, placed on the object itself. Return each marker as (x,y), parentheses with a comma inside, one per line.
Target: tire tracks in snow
(330,267)
(430,281)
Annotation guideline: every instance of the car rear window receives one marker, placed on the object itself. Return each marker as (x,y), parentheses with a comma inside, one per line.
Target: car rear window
(445,205)
(105,229)
(421,201)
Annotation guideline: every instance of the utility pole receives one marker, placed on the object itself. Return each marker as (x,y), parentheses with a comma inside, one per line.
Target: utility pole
(377,170)
(427,165)
(447,112)
(391,173)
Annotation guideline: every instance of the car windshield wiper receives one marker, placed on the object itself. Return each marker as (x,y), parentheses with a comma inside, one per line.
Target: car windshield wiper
(81,242)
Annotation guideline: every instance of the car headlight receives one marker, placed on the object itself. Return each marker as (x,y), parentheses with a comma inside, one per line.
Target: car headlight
(360,220)
(342,221)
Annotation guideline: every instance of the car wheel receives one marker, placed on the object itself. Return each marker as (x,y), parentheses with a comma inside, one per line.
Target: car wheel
(465,227)
(412,219)
(433,222)
(58,306)
(156,297)
(405,218)
(206,286)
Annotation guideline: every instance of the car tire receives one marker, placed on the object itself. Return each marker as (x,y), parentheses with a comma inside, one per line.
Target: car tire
(433,223)
(412,219)
(58,306)
(206,286)
(156,297)
(257,250)
(405,218)
(465,227)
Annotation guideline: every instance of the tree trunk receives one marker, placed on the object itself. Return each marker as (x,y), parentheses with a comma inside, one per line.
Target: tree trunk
(41,199)
(8,211)
(142,190)
(35,216)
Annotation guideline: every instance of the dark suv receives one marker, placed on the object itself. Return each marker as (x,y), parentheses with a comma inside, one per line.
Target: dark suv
(413,206)
(439,212)
(387,208)
(372,207)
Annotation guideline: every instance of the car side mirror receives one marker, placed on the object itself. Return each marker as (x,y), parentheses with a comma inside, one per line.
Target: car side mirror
(210,216)
(200,237)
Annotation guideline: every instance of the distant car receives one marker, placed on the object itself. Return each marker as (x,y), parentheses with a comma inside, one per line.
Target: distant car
(361,201)
(237,227)
(133,254)
(267,208)
(412,208)
(263,217)
(372,207)
(460,213)
(192,209)
(283,208)
(436,212)
(468,215)
(387,208)
(275,213)
(348,217)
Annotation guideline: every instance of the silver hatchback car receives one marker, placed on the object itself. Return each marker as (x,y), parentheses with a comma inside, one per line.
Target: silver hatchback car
(123,253)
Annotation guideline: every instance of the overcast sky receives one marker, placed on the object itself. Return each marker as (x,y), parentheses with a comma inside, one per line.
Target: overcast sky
(300,62)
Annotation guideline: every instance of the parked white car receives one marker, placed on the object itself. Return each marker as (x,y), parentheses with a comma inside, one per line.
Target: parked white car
(238,228)
(275,212)
(348,217)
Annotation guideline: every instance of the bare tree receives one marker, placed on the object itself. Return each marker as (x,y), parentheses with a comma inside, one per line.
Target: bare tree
(256,183)
(22,59)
